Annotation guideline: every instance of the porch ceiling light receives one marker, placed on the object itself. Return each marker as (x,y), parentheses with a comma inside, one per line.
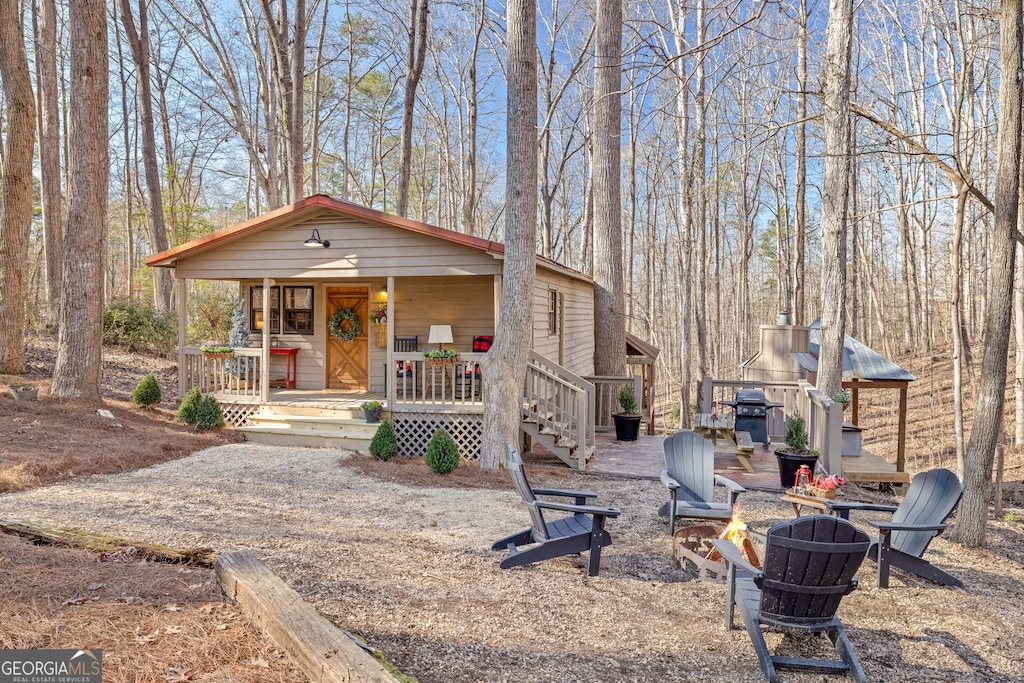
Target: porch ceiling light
(315,241)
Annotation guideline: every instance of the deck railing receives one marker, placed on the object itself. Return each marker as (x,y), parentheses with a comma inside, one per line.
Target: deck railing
(417,383)
(606,398)
(237,375)
(823,416)
(562,403)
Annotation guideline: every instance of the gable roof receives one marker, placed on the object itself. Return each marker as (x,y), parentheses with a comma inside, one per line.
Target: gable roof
(859,361)
(320,203)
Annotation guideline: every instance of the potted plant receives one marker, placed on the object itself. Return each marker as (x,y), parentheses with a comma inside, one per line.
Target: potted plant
(24,392)
(217,351)
(843,397)
(441,357)
(795,453)
(627,422)
(372,411)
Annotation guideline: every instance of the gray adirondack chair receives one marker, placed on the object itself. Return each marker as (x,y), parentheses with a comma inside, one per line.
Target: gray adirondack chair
(809,564)
(580,531)
(931,498)
(690,477)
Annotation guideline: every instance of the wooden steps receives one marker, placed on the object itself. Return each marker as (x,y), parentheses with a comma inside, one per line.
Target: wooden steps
(312,427)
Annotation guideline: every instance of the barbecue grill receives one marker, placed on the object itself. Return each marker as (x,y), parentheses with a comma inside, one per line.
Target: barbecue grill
(751,408)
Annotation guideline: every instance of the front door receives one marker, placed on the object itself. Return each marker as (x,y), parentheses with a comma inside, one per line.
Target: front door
(348,361)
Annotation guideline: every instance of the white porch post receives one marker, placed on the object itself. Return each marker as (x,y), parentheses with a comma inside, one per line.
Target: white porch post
(182,325)
(389,367)
(265,344)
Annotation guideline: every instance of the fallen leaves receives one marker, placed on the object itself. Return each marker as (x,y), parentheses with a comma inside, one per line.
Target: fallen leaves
(178,672)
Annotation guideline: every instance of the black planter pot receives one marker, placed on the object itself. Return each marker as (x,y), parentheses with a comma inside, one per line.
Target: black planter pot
(627,427)
(789,463)
(372,415)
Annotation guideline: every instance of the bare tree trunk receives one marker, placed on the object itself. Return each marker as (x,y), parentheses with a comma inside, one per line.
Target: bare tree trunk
(799,305)
(609,309)
(988,416)
(76,373)
(138,41)
(49,154)
(16,188)
(959,339)
(418,10)
(835,194)
(469,201)
(1018,367)
(505,363)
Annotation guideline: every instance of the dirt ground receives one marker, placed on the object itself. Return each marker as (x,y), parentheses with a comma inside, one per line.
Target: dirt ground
(399,556)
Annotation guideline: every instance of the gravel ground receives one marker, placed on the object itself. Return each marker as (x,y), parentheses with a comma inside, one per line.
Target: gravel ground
(409,569)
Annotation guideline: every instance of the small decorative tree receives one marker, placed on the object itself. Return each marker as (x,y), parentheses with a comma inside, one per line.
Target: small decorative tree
(209,416)
(385,444)
(442,452)
(188,411)
(627,401)
(796,434)
(239,337)
(147,392)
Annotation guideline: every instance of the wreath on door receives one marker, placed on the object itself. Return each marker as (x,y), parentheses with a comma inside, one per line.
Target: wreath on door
(339,318)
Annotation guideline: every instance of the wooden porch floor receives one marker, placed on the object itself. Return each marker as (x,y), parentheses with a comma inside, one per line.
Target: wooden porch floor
(644,459)
(325,398)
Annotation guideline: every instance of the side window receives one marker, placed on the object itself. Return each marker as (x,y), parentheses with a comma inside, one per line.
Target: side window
(554,312)
(256,314)
(298,310)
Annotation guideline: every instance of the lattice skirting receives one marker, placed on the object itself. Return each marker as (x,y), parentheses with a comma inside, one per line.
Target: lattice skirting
(237,414)
(414,431)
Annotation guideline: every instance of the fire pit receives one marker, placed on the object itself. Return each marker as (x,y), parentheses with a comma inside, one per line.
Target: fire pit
(693,548)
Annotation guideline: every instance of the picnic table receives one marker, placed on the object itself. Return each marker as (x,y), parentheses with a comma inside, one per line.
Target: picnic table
(721,430)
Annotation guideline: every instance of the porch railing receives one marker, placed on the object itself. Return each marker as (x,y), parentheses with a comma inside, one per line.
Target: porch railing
(823,416)
(562,404)
(237,375)
(606,398)
(416,383)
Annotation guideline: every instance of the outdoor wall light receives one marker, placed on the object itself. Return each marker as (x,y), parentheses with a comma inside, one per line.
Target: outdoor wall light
(315,241)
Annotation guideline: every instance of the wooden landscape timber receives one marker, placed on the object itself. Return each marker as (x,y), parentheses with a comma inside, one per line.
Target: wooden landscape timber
(323,652)
(108,545)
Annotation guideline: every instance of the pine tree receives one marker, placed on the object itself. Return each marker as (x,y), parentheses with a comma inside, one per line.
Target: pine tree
(147,392)
(442,452)
(385,444)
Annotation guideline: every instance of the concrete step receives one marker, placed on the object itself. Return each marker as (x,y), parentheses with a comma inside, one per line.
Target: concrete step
(310,438)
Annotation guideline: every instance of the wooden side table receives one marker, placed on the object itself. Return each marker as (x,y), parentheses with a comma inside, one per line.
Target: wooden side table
(291,363)
(800,502)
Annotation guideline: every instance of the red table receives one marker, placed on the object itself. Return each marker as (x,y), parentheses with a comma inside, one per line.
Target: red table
(291,363)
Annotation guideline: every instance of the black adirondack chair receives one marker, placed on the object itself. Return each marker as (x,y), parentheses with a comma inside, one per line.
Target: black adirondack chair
(690,477)
(931,498)
(809,564)
(582,530)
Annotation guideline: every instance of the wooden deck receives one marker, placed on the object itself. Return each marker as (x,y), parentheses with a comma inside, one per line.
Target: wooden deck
(644,459)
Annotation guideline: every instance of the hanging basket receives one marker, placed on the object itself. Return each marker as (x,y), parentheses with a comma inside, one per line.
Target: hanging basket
(219,355)
(380,334)
(442,363)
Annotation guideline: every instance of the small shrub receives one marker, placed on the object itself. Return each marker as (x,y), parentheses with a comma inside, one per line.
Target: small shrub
(188,411)
(796,434)
(627,399)
(209,415)
(385,444)
(147,392)
(442,452)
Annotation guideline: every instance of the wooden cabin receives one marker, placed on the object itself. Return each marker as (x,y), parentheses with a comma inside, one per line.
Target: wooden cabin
(302,265)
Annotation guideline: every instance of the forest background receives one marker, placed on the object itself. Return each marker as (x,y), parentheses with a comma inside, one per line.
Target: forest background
(219,111)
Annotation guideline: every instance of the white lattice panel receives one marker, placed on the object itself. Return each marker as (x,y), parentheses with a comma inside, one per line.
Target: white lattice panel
(414,431)
(237,414)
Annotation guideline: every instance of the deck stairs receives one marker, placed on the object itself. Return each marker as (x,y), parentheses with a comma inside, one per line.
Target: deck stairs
(297,425)
(558,411)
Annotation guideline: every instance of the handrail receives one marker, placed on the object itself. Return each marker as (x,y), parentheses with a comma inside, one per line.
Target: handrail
(238,375)
(822,415)
(607,388)
(424,385)
(561,402)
